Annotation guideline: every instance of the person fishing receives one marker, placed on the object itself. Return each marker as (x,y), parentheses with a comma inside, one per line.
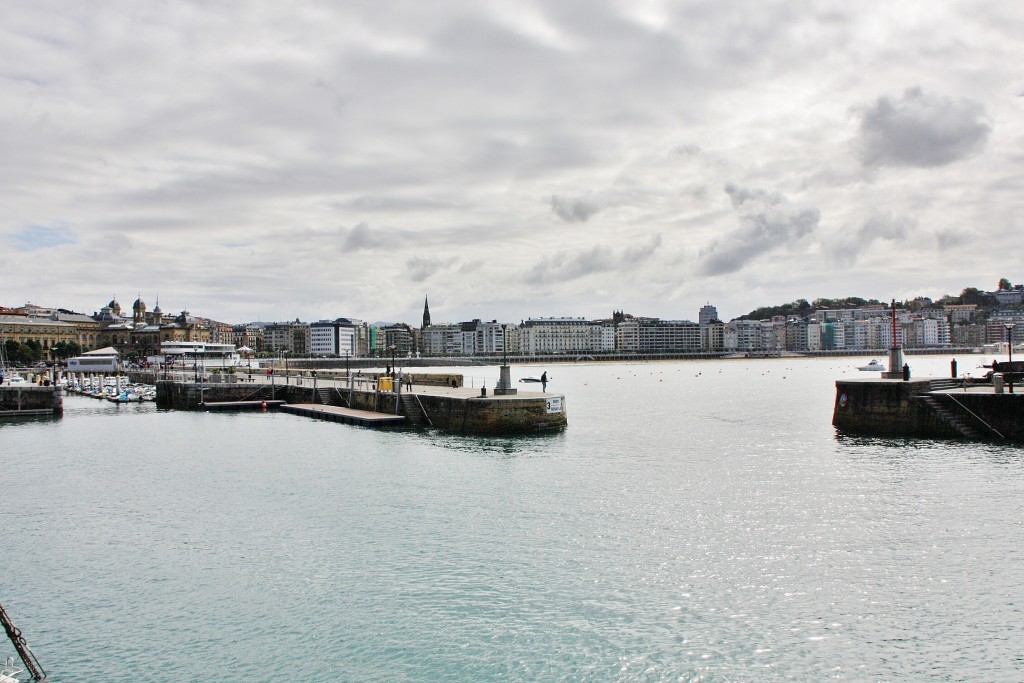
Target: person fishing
(544,381)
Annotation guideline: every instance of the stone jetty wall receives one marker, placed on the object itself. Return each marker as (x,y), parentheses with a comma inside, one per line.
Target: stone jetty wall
(458,414)
(1004,412)
(476,415)
(882,408)
(900,409)
(32,398)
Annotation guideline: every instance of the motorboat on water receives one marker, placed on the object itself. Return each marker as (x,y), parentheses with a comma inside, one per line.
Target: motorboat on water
(8,671)
(126,396)
(873,366)
(530,379)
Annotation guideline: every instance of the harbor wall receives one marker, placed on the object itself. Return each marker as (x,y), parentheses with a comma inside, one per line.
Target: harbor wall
(453,413)
(31,399)
(191,396)
(477,414)
(1004,412)
(882,408)
(893,408)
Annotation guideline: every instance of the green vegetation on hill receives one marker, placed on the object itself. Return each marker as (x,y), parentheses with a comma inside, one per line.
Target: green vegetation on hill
(801,307)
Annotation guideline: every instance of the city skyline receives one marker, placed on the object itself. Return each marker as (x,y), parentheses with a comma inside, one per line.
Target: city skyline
(980,299)
(273,162)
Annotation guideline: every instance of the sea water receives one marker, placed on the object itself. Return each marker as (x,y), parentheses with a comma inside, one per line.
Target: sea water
(697,521)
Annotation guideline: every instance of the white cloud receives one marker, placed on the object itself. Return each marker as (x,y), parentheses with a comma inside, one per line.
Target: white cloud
(477,150)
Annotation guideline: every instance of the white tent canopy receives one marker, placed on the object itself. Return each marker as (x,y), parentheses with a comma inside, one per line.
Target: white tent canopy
(106,351)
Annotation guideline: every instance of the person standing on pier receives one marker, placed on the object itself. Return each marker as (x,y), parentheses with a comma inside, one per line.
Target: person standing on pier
(544,381)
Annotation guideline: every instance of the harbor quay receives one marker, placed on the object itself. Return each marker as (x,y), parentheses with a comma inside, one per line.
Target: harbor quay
(432,400)
(30,400)
(930,408)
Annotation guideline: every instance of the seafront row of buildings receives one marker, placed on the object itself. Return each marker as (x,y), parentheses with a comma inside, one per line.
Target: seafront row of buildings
(140,332)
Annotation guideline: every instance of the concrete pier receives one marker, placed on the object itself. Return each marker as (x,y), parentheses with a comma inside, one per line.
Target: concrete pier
(28,400)
(455,409)
(363,418)
(928,408)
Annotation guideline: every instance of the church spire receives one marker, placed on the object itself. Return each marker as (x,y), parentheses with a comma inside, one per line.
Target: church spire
(426,314)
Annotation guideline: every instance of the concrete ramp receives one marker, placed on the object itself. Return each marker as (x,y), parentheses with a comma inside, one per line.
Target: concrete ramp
(363,418)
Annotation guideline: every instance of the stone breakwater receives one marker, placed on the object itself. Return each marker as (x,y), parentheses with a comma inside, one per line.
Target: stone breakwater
(29,399)
(452,409)
(928,408)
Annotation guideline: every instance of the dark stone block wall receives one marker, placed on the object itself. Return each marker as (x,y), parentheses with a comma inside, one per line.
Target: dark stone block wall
(458,414)
(880,408)
(32,397)
(1004,412)
(898,409)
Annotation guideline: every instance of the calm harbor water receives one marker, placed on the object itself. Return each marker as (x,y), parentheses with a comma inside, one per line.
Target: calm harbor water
(697,521)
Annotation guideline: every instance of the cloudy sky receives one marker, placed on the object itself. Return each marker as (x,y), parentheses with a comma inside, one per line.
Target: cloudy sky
(508,158)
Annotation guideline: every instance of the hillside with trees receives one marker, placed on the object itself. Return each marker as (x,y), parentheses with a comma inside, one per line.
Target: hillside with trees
(801,307)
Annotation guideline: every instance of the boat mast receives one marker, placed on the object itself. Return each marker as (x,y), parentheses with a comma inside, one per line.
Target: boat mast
(32,665)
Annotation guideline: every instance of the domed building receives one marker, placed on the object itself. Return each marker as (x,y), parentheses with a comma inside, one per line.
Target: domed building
(139,312)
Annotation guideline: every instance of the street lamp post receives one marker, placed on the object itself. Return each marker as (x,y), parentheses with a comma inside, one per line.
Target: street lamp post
(392,347)
(1009,344)
(348,376)
(504,386)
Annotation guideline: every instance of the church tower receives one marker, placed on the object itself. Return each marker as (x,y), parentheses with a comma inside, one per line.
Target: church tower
(157,315)
(426,315)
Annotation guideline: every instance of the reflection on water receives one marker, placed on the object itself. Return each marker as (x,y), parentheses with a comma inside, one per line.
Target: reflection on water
(512,446)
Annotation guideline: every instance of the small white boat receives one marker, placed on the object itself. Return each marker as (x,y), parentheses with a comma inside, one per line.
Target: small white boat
(15,381)
(530,379)
(873,366)
(8,671)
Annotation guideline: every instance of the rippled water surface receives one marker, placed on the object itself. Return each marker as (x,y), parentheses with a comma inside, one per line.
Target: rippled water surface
(697,521)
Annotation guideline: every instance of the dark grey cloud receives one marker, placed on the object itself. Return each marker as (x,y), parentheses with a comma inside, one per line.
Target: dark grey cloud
(578,210)
(767,222)
(642,252)
(887,226)
(751,197)
(850,243)
(950,238)
(421,268)
(920,129)
(362,237)
(564,266)
(689,151)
